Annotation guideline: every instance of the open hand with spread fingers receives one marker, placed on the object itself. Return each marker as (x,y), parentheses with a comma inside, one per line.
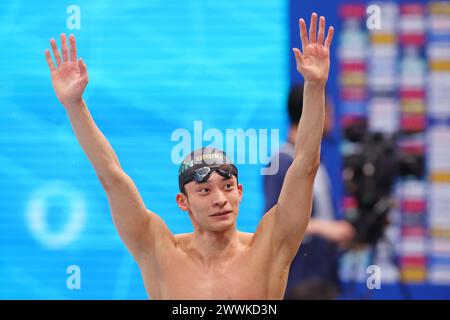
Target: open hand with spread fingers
(314,61)
(69,76)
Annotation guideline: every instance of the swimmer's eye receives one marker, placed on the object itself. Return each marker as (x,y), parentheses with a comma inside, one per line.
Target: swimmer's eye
(229,186)
(204,190)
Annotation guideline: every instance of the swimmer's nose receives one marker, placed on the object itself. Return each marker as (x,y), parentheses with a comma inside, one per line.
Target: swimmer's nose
(220,199)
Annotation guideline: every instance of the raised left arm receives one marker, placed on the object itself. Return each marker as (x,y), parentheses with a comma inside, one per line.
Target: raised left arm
(288,219)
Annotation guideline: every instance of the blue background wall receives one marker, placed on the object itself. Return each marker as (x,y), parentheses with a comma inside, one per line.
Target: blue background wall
(154,67)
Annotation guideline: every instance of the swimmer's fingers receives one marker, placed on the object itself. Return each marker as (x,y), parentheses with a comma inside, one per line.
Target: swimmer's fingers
(83,69)
(329,38)
(55,51)
(303,34)
(64,48)
(313,28)
(50,63)
(73,48)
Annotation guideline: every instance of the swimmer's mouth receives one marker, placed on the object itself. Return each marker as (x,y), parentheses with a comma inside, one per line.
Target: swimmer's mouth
(221,213)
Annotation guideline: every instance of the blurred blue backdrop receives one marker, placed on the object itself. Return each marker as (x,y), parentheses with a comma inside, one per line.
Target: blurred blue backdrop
(154,67)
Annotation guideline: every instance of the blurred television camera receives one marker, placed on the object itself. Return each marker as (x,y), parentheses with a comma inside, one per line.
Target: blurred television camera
(372,163)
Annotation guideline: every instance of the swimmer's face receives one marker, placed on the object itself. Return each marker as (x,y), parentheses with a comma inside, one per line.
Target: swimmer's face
(212,205)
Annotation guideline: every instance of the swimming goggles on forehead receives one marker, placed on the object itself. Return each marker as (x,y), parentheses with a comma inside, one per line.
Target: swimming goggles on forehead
(202,174)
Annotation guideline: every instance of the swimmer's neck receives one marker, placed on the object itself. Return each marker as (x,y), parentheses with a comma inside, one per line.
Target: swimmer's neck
(215,247)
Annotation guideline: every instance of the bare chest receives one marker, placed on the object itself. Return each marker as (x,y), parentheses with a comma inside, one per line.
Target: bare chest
(246,276)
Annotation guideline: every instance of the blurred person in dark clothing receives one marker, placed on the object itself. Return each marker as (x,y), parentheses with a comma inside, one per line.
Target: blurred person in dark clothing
(314,271)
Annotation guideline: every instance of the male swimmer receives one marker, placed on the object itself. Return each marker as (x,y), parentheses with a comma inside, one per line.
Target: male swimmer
(216,261)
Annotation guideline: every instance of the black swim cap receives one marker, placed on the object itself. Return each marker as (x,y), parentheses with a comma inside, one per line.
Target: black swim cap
(212,158)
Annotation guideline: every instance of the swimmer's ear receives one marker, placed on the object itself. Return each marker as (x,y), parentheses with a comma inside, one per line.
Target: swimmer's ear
(182,201)
(240,190)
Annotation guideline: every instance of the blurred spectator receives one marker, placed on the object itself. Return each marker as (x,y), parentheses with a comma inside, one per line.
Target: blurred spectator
(314,271)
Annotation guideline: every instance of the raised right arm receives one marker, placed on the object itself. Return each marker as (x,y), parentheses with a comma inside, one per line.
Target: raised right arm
(141,230)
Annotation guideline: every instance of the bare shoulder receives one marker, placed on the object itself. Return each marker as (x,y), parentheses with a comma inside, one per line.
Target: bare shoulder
(245,237)
(182,239)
